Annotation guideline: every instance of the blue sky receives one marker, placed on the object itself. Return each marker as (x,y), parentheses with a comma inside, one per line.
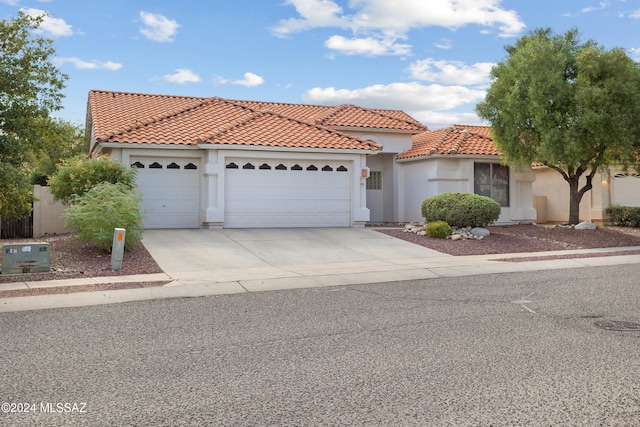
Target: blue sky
(430,58)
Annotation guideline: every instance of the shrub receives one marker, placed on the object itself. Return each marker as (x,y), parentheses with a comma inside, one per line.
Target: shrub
(16,195)
(461,209)
(439,229)
(79,174)
(626,216)
(92,216)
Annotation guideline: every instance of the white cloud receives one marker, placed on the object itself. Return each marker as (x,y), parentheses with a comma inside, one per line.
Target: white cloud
(435,120)
(314,13)
(411,96)
(444,44)
(634,52)
(635,14)
(378,23)
(250,80)
(602,5)
(157,27)
(367,46)
(55,27)
(88,65)
(181,76)
(451,72)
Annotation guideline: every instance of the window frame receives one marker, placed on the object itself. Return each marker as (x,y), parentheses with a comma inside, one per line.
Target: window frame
(492,182)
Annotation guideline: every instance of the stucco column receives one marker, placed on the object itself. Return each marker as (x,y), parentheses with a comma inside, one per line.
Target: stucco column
(361,213)
(600,196)
(212,195)
(522,210)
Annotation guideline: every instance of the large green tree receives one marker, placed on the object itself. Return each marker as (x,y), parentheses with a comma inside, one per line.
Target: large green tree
(30,89)
(572,106)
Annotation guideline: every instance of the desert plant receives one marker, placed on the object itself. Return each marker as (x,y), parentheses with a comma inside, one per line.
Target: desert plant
(439,229)
(94,215)
(78,174)
(626,216)
(461,209)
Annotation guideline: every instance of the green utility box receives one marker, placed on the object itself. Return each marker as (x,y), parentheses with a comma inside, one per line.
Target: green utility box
(26,258)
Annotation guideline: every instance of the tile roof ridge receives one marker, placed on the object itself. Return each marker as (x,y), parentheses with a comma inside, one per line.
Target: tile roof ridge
(472,129)
(459,140)
(233,124)
(149,95)
(333,112)
(380,112)
(137,124)
(440,141)
(265,111)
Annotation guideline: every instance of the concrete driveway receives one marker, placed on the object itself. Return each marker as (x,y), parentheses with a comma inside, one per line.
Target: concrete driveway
(263,259)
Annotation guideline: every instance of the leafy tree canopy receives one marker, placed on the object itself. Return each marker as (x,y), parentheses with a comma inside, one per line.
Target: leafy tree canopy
(61,140)
(30,89)
(569,105)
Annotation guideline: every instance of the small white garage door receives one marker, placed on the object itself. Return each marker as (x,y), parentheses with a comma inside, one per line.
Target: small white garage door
(170,191)
(278,193)
(626,190)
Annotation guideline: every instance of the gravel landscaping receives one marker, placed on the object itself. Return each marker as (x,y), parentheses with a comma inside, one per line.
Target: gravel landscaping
(526,238)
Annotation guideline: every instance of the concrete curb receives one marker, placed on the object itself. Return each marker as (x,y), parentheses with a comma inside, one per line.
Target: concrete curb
(320,275)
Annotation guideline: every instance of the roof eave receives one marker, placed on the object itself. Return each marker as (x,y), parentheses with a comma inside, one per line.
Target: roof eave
(492,157)
(146,145)
(286,149)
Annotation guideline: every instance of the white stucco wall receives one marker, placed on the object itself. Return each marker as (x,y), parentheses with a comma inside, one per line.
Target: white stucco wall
(392,142)
(550,185)
(424,178)
(385,204)
(213,161)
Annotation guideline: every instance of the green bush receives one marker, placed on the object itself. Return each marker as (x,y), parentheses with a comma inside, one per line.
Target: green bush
(16,194)
(79,174)
(439,229)
(92,216)
(625,216)
(461,209)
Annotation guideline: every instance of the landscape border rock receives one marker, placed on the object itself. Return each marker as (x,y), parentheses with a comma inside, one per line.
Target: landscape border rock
(584,225)
(464,233)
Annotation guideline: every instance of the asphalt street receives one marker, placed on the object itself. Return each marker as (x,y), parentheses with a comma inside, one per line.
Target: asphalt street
(502,349)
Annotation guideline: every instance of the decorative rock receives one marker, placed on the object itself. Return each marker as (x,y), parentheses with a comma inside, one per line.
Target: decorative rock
(585,225)
(480,231)
(465,233)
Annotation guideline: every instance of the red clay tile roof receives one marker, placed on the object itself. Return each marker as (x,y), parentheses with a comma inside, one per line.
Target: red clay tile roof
(454,140)
(346,115)
(161,119)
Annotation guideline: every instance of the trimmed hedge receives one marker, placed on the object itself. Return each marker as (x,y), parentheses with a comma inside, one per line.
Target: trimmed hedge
(626,216)
(461,209)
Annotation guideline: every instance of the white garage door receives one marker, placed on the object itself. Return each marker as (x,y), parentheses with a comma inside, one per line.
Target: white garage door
(276,193)
(626,190)
(170,191)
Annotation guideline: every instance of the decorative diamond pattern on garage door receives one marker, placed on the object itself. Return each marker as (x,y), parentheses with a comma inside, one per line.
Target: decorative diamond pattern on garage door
(277,193)
(170,191)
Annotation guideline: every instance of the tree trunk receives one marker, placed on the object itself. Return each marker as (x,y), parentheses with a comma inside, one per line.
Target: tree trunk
(575,197)
(575,194)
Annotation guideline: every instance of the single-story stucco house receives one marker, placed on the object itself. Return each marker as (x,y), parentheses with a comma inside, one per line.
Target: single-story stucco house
(213,162)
